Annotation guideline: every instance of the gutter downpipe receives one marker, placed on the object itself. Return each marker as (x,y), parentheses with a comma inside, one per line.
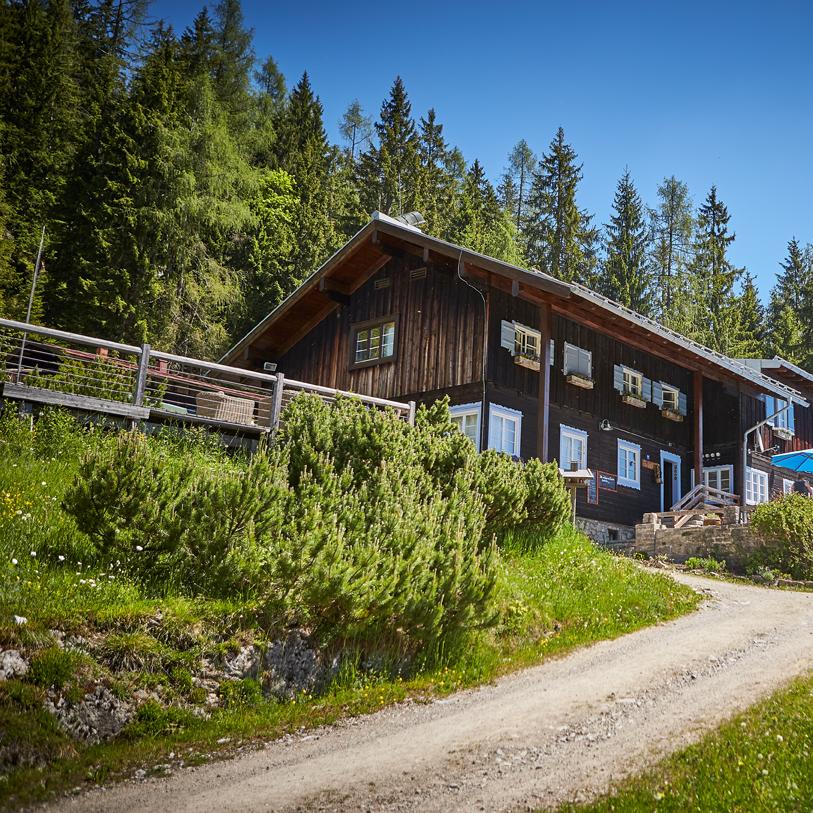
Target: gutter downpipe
(748,432)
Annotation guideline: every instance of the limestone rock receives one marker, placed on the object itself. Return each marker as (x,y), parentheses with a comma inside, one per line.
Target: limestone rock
(97,717)
(292,665)
(12,664)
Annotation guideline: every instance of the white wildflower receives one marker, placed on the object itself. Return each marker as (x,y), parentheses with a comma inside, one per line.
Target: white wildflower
(33,553)
(61,558)
(14,561)
(139,548)
(44,483)
(19,620)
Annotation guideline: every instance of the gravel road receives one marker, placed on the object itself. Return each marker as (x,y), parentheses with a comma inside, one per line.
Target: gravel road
(558,732)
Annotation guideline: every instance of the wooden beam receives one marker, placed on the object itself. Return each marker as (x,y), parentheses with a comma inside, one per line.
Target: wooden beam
(698,427)
(329,285)
(293,338)
(515,288)
(543,411)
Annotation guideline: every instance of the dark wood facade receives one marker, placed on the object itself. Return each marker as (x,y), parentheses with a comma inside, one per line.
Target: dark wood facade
(441,305)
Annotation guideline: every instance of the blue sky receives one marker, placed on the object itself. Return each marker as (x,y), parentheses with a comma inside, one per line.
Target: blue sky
(714,93)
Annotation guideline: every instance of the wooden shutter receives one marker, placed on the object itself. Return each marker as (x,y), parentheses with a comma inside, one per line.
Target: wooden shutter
(646,389)
(618,378)
(682,406)
(657,393)
(508,336)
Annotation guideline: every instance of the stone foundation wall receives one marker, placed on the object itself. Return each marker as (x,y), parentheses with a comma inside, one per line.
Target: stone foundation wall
(608,534)
(732,543)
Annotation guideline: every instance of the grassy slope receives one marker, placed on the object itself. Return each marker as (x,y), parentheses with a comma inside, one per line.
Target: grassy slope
(761,760)
(564,594)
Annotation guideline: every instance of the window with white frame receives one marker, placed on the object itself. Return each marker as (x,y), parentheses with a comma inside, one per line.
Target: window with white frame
(633,383)
(466,417)
(719,477)
(527,341)
(671,397)
(629,464)
(787,486)
(374,342)
(756,486)
(578,361)
(782,419)
(572,447)
(504,429)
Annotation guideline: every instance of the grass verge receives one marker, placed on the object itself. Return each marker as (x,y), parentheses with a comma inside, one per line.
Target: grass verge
(758,761)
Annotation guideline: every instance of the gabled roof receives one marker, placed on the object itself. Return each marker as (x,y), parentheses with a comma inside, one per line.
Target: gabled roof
(789,372)
(366,252)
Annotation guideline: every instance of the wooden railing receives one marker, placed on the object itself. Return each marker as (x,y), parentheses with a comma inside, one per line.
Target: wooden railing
(84,373)
(705,496)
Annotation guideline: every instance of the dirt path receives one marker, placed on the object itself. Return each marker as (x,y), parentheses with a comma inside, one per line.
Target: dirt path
(557,732)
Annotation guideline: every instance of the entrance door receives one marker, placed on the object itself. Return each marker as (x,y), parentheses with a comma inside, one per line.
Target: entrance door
(670,480)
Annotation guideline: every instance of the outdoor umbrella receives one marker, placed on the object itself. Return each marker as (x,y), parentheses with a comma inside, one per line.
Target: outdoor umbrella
(795,461)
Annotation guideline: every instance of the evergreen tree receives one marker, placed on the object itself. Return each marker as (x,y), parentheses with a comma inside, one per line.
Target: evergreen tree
(198,45)
(672,224)
(483,225)
(713,279)
(232,57)
(791,307)
(40,126)
(388,170)
(271,82)
(560,239)
(627,274)
(304,153)
(438,185)
(750,341)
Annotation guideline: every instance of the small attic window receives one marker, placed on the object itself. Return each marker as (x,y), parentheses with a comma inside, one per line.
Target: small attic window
(373,342)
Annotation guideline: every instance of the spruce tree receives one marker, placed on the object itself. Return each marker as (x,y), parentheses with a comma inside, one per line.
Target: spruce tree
(789,329)
(627,275)
(751,333)
(560,239)
(672,224)
(389,169)
(713,279)
(304,153)
(437,184)
(232,58)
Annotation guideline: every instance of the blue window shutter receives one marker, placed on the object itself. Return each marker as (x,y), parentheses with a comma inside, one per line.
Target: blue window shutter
(657,393)
(792,418)
(620,468)
(618,378)
(770,408)
(682,405)
(647,389)
(508,336)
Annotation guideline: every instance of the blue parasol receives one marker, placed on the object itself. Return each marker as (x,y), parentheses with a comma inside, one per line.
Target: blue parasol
(795,461)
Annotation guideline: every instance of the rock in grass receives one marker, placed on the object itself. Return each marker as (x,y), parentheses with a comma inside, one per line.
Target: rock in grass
(12,664)
(292,665)
(97,717)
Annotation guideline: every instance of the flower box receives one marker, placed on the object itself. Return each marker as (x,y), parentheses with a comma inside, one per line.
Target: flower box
(634,400)
(527,361)
(579,381)
(783,433)
(672,415)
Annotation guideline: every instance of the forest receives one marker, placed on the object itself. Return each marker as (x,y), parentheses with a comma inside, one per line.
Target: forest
(183,189)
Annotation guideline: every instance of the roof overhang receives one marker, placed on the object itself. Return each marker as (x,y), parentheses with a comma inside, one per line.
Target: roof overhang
(383,238)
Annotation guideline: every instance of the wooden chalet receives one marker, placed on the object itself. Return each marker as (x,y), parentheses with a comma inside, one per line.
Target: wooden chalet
(533,366)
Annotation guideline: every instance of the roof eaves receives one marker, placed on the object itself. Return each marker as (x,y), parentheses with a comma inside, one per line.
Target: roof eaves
(737,367)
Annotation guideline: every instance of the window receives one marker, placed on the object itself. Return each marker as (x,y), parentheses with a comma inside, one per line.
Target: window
(527,341)
(374,342)
(572,447)
(466,417)
(578,362)
(783,419)
(671,397)
(504,429)
(633,383)
(629,464)
(719,477)
(756,486)
(787,486)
